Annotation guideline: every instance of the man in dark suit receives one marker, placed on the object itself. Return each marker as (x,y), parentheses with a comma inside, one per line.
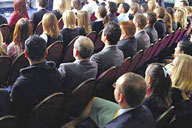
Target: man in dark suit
(110,55)
(82,69)
(130,90)
(160,24)
(36,17)
(143,40)
(35,82)
(150,29)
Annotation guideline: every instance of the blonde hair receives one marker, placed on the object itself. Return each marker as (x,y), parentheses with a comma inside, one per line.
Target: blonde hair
(119,1)
(181,73)
(2,52)
(168,22)
(59,5)
(83,20)
(69,19)
(181,17)
(50,25)
(152,5)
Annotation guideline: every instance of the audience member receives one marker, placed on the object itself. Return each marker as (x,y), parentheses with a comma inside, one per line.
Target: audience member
(102,19)
(130,90)
(3,47)
(35,82)
(152,5)
(171,11)
(144,8)
(150,29)
(83,21)
(159,83)
(81,69)
(128,42)
(69,31)
(111,9)
(110,55)
(180,18)
(37,16)
(22,31)
(91,7)
(3,19)
(160,24)
(59,8)
(168,23)
(5,102)
(20,11)
(68,4)
(50,29)
(122,10)
(184,3)
(143,40)
(134,9)
(183,47)
(76,5)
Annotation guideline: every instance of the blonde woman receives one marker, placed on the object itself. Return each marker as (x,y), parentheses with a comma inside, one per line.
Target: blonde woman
(69,30)
(3,47)
(181,18)
(50,29)
(84,21)
(59,7)
(168,23)
(152,5)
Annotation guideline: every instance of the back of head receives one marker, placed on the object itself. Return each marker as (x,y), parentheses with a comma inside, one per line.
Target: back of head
(128,27)
(134,8)
(186,47)
(151,4)
(145,7)
(168,22)
(35,46)
(125,7)
(76,4)
(84,46)
(160,12)
(141,20)
(171,12)
(69,19)
(20,7)
(102,11)
(113,32)
(43,3)
(134,88)
(181,17)
(59,5)
(112,7)
(151,17)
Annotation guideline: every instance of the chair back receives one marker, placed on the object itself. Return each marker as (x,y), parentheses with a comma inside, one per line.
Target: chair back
(60,23)
(5,67)
(92,35)
(180,36)
(166,117)
(98,45)
(48,112)
(104,82)
(19,63)
(80,97)
(6,32)
(68,57)
(39,29)
(124,67)
(176,34)
(55,51)
(8,121)
(135,61)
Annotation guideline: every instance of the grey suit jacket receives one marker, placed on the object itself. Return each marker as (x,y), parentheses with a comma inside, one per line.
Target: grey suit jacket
(108,57)
(75,73)
(152,33)
(143,40)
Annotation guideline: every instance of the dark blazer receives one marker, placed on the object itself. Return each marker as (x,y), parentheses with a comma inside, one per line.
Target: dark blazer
(139,117)
(161,28)
(97,26)
(35,83)
(75,73)
(152,33)
(36,17)
(108,57)
(143,40)
(128,46)
(4,102)
(57,14)
(113,18)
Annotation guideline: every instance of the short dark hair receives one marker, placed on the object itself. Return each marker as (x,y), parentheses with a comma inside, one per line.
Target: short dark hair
(141,20)
(43,3)
(102,11)
(145,7)
(84,46)
(112,7)
(125,7)
(171,12)
(35,46)
(134,88)
(151,17)
(186,47)
(113,32)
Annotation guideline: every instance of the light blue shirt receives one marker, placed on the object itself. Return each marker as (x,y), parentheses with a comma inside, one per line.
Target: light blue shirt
(122,17)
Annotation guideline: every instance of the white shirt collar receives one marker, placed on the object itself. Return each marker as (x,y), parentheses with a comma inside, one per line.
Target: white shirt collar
(121,111)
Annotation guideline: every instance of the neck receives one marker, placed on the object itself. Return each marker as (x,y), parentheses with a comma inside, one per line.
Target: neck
(80,59)
(108,44)
(139,29)
(31,62)
(124,106)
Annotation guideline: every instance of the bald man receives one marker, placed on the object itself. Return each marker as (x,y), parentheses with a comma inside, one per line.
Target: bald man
(82,68)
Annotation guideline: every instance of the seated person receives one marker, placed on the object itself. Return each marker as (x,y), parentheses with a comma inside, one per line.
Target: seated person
(129,93)
(80,70)
(110,55)
(134,9)
(150,29)
(122,10)
(143,40)
(4,101)
(35,82)
(128,42)
(111,9)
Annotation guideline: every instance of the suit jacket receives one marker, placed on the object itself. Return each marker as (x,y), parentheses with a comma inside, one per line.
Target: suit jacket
(128,46)
(161,28)
(152,33)
(139,117)
(75,73)
(143,40)
(36,17)
(108,57)
(4,101)
(97,26)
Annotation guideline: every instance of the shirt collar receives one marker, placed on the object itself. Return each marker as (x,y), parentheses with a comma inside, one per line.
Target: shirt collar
(121,111)
(100,19)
